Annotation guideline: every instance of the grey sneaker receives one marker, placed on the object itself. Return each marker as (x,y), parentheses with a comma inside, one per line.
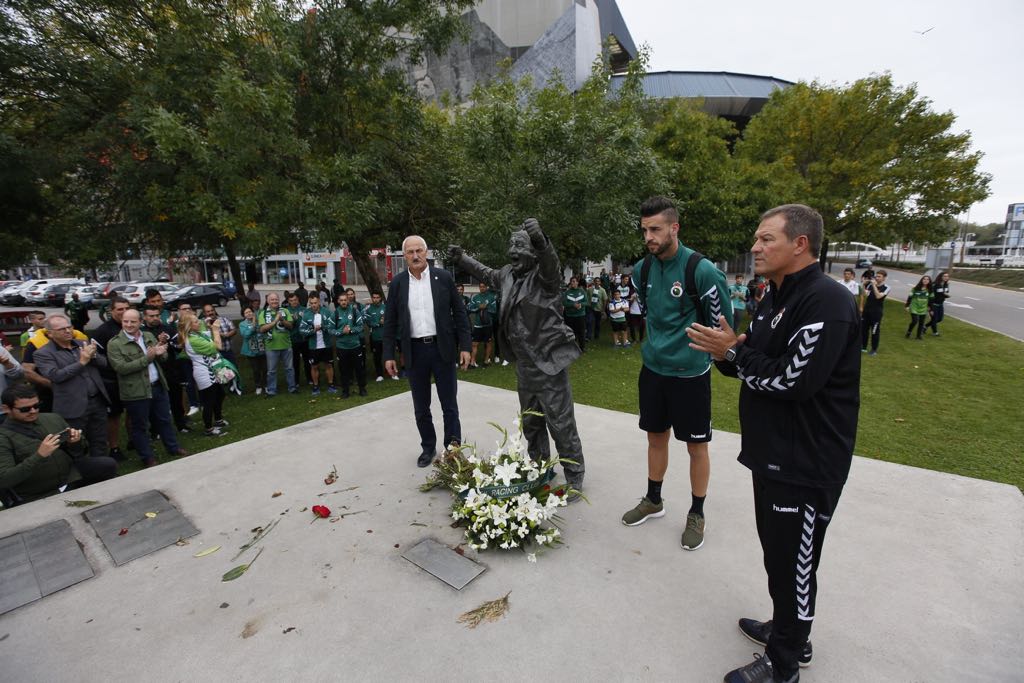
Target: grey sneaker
(758,671)
(693,535)
(642,512)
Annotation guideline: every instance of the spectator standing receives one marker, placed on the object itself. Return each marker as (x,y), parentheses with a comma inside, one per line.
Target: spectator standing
(155,298)
(738,296)
(636,314)
(337,290)
(799,404)
(618,309)
(426,318)
(850,282)
(134,356)
(675,381)
(152,323)
(11,369)
(184,363)
(77,312)
(918,303)
(318,328)
(227,330)
(275,323)
(33,339)
(108,330)
(482,310)
(324,296)
(253,297)
(374,319)
(303,294)
(875,292)
(597,301)
(79,394)
(300,345)
(253,348)
(574,310)
(348,331)
(202,348)
(40,452)
(940,292)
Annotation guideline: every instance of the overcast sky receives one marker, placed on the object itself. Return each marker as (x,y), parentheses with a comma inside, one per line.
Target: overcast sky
(970,62)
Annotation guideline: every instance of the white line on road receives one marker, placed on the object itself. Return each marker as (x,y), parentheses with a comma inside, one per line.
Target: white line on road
(950,303)
(972,298)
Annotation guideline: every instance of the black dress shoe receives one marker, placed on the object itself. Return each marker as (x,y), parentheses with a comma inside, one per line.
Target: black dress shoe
(426,457)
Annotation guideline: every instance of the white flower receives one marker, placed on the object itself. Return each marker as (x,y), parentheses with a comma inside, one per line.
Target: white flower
(531,557)
(532,475)
(506,472)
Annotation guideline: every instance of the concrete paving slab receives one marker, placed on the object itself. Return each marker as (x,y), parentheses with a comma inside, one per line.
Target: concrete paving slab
(443,563)
(39,562)
(920,579)
(138,525)
(18,584)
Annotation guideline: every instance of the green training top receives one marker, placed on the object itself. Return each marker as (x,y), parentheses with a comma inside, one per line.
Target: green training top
(572,297)
(666,350)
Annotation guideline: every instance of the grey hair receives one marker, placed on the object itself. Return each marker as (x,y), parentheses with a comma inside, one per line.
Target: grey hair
(414,237)
(54,317)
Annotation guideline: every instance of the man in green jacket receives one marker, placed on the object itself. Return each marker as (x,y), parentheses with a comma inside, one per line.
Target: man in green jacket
(39,453)
(598,301)
(133,355)
(373,317)
(348,331)
(675,382)
(483,310)
(318,327)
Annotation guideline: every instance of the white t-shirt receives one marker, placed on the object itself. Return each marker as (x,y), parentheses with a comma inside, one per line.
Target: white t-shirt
(852,285)
(318,321)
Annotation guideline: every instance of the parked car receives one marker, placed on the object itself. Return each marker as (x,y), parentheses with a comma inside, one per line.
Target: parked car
(54,294)
(86,293)
(136,293)
(36,294)
(197,296)
(15,294)
(863,262)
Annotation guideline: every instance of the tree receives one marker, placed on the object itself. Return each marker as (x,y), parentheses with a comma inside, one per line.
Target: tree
(871,157)
(578,162)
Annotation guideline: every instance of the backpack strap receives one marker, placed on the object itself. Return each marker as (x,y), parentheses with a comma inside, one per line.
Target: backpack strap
(645,273)
(691,285)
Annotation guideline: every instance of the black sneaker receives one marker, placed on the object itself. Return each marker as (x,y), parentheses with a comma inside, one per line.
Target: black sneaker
(761,631)
(758,671)
(116,454)
(362,391)
(426,457)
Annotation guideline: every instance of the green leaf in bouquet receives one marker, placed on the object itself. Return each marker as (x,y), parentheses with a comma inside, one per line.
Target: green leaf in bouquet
(233,574)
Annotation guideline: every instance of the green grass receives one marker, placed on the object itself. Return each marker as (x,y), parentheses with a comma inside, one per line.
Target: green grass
(1004,278)
(947,403)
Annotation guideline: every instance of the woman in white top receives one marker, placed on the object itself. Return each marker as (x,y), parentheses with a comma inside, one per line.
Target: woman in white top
(202,347)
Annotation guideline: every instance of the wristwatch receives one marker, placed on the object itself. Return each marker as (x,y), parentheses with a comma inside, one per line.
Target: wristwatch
(730,353)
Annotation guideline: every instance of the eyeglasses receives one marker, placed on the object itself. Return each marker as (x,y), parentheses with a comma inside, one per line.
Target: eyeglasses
(27,409)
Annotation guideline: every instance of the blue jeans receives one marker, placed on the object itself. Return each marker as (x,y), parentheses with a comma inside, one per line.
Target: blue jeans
(158,410)
(426,361)
(283,356)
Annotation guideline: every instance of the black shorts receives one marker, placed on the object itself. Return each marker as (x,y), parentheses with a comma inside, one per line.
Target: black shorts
(482,334)
(618,325)
(682,403)
(319,356)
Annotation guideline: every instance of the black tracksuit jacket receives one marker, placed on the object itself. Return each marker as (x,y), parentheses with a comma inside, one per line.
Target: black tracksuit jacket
(800,368)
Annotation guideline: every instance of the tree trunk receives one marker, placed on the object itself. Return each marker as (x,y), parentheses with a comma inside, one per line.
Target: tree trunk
(236,275)
(366,267)
(823,254)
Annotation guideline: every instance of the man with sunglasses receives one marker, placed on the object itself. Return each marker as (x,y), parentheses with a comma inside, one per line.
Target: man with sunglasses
(39,453)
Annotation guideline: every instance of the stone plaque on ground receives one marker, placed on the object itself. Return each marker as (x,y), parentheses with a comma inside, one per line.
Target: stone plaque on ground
(38,562)
(136,526)
(444,563)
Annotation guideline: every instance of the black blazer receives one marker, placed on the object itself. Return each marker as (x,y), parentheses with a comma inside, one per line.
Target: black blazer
(449,316)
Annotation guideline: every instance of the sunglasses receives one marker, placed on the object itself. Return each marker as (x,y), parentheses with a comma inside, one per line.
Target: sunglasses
(27,409)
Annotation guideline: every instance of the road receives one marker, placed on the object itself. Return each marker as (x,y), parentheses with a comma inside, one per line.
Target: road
(998,310)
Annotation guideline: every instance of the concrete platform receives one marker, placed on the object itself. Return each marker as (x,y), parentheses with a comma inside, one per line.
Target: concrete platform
(920,580)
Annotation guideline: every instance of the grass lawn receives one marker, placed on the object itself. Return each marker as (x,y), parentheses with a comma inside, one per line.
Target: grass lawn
(1004,278)
(947,403)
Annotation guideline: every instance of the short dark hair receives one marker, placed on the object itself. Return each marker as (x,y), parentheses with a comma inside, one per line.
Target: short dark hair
(800,220)
(851,271)
(20,390)
(150,293)
(652,206)
(150,307)
(118,299)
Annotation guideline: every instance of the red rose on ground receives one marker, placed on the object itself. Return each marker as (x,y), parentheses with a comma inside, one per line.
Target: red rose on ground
(321,511)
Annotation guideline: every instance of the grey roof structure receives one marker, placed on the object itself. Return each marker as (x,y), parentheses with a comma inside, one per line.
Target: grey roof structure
(729,95)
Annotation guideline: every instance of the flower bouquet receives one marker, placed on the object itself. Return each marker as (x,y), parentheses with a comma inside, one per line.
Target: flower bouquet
(505,498)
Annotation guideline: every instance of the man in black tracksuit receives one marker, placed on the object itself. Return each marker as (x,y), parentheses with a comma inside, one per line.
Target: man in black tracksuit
(800,367)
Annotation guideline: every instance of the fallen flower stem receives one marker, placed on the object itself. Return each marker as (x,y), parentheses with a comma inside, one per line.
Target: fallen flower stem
(260,535)
(331,493)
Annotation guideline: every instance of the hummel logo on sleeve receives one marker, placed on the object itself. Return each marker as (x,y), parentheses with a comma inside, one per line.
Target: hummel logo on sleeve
(776,508)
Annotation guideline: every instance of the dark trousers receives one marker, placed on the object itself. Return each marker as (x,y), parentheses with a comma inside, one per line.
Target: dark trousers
(578,326)
(93,424)
(352,362)
(938,313)
(300,361)
(378,357)
(259,370)
(157,409)
(870,326)
(737,319)
(791,524)
(917,319)
(212,398)
(175,395)
(426,362)
(551,396)
(593,324)
(94,469)
(636,327)
(188,381)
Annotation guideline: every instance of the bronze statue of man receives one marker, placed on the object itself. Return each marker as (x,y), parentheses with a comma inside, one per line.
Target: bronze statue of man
(534,334)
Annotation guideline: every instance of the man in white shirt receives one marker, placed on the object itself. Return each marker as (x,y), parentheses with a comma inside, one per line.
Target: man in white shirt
(427,316)
(850,282)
